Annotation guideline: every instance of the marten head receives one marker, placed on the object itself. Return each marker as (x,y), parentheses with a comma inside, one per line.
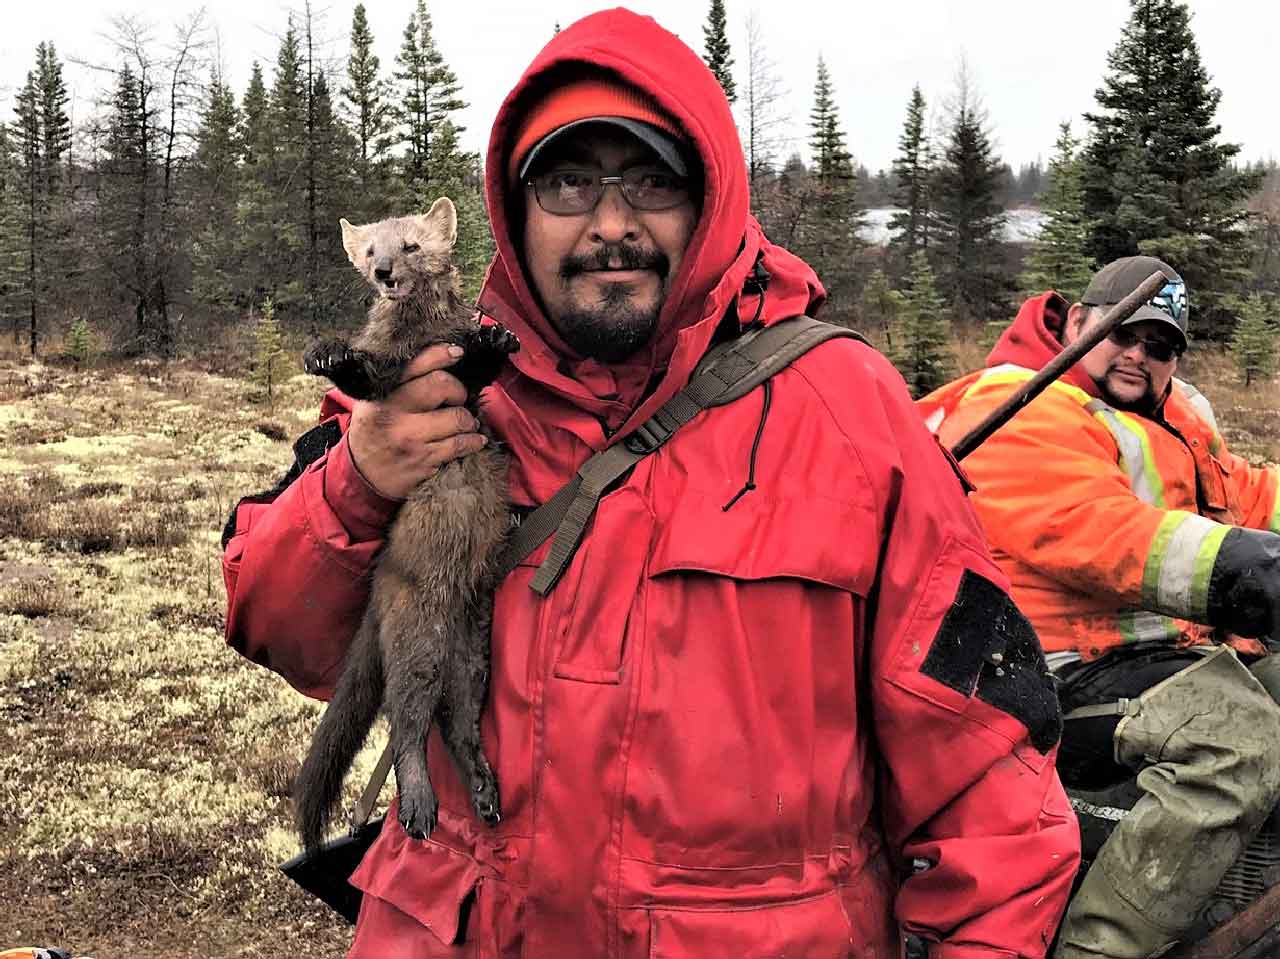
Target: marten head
(396,255)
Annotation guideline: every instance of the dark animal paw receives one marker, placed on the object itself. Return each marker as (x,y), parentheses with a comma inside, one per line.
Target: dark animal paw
(493,338)
(487,349)
(341,365)
(418,814)
(484,797)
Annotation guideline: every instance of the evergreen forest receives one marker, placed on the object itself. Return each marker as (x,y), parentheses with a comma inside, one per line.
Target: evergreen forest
(174,215)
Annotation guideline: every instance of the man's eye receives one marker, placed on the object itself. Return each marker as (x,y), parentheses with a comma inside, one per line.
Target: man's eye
(569,180)
(411,248)
(658,181)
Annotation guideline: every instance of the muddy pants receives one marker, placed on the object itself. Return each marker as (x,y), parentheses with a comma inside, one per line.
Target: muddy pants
(1207,743)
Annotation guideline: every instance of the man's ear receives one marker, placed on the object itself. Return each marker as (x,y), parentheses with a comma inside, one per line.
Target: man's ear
(1077,316)
(442,220)
(352,241)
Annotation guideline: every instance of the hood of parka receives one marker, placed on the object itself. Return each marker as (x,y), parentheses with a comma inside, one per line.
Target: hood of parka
(722,251)
(1035,337)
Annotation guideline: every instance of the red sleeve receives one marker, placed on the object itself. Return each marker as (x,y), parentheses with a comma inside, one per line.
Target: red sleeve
(295,566)
(966,717)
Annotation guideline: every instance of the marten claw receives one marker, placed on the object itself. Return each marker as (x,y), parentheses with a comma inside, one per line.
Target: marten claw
(418,814)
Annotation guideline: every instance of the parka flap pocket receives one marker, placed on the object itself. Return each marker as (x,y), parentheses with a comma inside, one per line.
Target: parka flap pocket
(827,541)
(424,880)
(808,927)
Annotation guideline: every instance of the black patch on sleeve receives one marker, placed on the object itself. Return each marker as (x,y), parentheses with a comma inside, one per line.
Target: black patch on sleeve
(308,448)
(986,647)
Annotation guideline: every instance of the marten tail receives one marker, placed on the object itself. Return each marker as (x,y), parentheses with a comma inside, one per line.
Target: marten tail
(341,733)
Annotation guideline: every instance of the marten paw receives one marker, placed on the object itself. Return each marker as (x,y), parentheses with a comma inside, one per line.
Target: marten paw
(341,365)
(487,349)
(494,339)
(419,811)
(484,796)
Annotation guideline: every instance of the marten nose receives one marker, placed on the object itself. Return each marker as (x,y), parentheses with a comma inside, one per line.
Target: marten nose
(382,268)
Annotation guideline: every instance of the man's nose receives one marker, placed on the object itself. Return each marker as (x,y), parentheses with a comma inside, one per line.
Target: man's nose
(614,219)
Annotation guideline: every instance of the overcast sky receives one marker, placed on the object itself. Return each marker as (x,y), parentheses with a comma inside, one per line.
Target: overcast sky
(1034,63)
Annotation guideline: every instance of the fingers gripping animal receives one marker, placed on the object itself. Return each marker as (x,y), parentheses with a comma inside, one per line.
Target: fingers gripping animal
(422,648)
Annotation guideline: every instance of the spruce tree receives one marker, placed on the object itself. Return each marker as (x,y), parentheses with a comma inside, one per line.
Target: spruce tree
(969,220)
(12,241)
(27,139)
(215,176)
(921,350)
(879,304)
(260,205)
(282,255)
(81,342)
(913,173)
(429,94)
(458,176)
(1253,343)
(333,160)
(717,53)
(55,125)
(270,361)
(1157,178)
(367,106)
(829,238)
(125,208)
(1058,259)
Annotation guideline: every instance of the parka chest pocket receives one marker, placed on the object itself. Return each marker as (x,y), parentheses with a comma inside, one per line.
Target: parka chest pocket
(825,541)
(599,598)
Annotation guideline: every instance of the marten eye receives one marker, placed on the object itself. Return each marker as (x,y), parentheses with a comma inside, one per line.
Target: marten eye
(411,248)
(369,252)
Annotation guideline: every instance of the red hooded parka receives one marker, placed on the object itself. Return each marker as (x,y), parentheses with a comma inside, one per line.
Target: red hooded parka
(725,732)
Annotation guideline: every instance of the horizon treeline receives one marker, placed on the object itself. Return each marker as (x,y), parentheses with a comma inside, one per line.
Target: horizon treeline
(180,206)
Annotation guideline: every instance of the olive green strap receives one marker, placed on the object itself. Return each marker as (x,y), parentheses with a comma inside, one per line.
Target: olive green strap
(726,373)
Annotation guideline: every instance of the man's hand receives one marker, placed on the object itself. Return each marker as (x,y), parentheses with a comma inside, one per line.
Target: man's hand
(400,441)
(1244,588)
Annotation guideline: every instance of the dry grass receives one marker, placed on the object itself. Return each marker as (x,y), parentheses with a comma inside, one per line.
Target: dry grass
(144,767)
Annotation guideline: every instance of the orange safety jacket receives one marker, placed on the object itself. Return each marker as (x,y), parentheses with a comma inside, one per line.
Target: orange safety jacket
(1107,523)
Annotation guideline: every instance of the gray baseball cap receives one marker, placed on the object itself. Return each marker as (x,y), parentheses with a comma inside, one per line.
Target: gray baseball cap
(1121,277)
(662,143)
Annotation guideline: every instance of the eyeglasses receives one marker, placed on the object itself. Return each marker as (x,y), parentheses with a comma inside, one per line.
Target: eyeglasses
(573,192)
(1160,350)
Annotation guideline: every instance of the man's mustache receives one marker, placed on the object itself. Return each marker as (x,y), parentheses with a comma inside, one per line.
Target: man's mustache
(615,256)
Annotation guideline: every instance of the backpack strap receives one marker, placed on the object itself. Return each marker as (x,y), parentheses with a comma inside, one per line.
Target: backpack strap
(728,371)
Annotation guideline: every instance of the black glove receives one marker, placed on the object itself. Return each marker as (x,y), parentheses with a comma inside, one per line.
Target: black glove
(1244,588)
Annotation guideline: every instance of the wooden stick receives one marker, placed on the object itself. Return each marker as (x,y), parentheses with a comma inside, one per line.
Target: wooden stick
(1090,338)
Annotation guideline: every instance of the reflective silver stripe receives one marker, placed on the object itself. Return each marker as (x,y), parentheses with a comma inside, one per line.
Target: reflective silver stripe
(1133,455)
(1098,812)
(1175,592)
(1198,402)
(1141,626)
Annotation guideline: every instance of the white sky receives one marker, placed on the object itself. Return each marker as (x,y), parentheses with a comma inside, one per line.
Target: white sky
(1034,63)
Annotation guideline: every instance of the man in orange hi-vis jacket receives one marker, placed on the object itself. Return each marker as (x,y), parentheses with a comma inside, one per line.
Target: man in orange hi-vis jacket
(1132,538)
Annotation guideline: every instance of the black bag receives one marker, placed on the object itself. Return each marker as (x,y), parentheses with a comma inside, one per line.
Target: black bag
(728,372)
(325,872)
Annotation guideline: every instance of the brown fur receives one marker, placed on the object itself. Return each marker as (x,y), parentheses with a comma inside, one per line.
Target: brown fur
(422,649)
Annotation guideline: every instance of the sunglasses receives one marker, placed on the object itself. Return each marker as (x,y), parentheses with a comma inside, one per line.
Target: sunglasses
(573,192)
(1160,350)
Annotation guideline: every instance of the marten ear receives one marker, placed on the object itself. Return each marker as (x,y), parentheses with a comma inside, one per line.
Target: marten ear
(352,241)
(442,220)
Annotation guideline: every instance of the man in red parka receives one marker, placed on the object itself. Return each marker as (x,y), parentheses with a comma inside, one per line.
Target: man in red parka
(779,703)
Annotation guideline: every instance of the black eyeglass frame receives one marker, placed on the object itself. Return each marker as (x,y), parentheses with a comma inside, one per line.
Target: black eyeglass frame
(620,180)
(1127,340)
